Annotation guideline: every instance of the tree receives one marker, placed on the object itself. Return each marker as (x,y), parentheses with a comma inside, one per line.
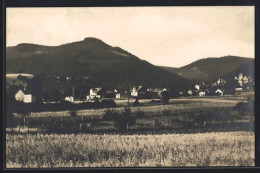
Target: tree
(35,86)
(125,119)
(73,113)
(46,95)
(165,97)
(55,95)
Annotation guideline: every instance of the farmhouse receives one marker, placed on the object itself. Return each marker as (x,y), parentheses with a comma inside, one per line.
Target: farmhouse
(140,92)
(69,99)
(23,96)
(189,92)
(202,93)
(219,92)
(197,87)
(96,93)
(156,93)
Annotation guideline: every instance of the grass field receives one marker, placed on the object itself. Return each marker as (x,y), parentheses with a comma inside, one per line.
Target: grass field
(165,135)
(205,114)
(173,150)
(175,104)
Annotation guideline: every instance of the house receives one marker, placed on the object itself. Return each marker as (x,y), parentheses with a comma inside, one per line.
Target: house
(189,92)
(68,78)
(23,96)
(239,79)
(117,95)
(245,79)
(156,93)
(219,92)
(134,92)
(197,87)
(140,92)
(202,93)
(69,99)
(97,93)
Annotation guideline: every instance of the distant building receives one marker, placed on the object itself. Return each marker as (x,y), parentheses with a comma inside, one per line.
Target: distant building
(202,93)
(189,92)
(219,92)
(24,96)
(244,82)
(117,95)
(68,78)
(245,79)
(97,93)
(140,92)
(197,87)
(134,92)
(69,99)
(156,93)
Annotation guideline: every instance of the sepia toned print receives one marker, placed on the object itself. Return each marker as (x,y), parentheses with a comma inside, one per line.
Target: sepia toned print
(130,87)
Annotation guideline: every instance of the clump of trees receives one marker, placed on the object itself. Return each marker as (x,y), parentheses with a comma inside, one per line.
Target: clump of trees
(165,97)
(123,120)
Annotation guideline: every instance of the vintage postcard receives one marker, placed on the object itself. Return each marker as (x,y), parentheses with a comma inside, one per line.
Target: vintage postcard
(169,86)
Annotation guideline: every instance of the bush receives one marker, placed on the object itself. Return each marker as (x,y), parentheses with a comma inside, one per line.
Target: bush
(126,111)
(97,103)
(165,97)
(139,113)
(125,119)
(110,114)
(157,124)
(245,107)
(136,102)
(166,112)
(73,113)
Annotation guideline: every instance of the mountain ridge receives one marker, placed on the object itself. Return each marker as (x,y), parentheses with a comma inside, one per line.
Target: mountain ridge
(209,69)
(103,64)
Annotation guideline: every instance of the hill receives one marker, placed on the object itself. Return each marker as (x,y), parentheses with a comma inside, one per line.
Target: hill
(103,64)
(247,69)
(209,69)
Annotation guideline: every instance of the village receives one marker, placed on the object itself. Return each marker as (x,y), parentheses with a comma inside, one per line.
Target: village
(220,87)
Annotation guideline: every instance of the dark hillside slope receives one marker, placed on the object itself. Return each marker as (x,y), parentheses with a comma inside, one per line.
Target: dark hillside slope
(103,64)
(209,69)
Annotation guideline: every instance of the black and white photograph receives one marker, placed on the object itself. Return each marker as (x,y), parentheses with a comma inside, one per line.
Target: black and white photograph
(148,86)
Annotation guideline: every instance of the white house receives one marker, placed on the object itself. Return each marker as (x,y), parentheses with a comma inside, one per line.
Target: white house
(245,79)
(69,99)
(118,95)
(190,92)
(22,96)
(202,93)
(134,92)
(96,93)
(219,91)
(197,87)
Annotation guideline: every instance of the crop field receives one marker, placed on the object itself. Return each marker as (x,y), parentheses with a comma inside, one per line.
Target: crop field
(185,133)
(169,150)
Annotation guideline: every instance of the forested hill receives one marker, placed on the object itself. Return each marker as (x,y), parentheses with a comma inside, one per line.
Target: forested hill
(103,64)
(209,69)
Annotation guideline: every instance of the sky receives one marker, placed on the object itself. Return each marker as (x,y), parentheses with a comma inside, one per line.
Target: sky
(165,36)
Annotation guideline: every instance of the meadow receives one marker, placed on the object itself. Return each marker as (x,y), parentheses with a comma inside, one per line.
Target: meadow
(182,115)
(188,132)
(167,150)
